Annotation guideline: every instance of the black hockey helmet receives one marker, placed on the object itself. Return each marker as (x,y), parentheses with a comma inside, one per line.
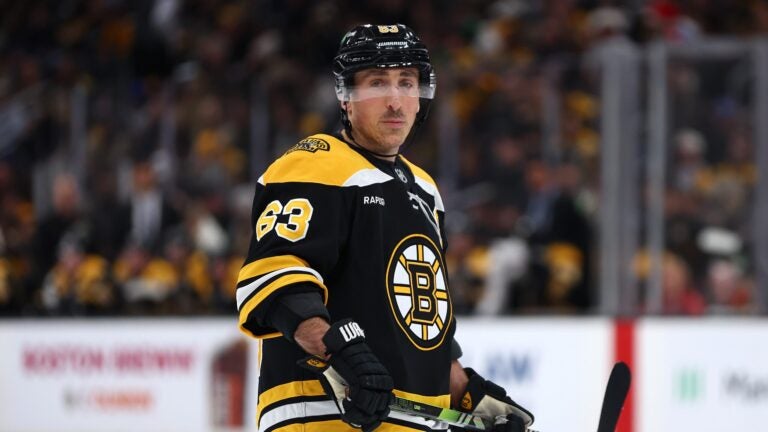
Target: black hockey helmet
(383,46)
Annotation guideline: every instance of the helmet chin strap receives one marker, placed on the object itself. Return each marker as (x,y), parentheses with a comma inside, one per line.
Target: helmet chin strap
(347,132)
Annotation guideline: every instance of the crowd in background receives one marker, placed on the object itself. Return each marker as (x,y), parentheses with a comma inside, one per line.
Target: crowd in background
(127,161)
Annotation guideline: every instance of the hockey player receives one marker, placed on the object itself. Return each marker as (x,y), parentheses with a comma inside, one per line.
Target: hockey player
(346,263)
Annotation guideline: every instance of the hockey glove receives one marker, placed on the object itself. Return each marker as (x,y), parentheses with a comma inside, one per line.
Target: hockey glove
(488,400)
(354,378)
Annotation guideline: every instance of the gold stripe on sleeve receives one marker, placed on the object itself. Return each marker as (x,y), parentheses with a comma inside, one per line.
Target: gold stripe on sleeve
(267,265)
(274,286)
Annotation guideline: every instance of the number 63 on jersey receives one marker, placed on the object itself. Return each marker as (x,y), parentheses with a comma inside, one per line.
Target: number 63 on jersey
(299,212)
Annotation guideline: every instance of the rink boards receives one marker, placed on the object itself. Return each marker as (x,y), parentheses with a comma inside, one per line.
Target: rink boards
(201,374)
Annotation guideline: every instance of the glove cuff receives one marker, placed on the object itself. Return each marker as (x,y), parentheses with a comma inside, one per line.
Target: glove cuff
(342,334)
(481,386)
(488,399)
(474,391)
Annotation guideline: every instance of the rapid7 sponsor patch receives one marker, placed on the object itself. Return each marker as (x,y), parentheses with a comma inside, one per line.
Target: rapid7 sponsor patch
(373,200)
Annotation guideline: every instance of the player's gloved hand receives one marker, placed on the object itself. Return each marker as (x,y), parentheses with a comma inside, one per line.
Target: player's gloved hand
(356,380)
(488,400)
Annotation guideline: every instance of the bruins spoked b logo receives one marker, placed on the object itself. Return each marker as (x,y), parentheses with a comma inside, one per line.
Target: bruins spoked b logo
(418,292)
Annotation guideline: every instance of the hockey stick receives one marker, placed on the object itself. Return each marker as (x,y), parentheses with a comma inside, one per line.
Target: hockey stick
(613,401)
(615,394)
(446,415)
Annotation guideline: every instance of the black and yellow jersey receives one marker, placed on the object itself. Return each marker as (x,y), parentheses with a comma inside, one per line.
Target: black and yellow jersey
(367,234)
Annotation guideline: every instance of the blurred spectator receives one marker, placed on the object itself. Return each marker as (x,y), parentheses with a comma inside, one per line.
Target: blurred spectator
(224,272)
(730,292)
(568,254)
(507,264)
(151,211)
(680,296)
(726,185)
(79,284)
(565,264)
(146,282)
(689,161)
(193,293)
(537,214)
(240,202)
(206,233)
(539,257)
(682,227)
(468,266)
(66,212)
(108,218)
(506,170)
(606,22)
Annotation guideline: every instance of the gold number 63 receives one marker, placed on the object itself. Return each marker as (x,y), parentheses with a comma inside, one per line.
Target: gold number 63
(299,212)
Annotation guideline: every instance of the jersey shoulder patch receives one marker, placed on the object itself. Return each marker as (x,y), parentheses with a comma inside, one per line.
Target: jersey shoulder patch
(310,144)
(320,158)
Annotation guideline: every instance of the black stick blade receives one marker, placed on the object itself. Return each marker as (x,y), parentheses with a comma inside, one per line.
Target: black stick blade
(615,394)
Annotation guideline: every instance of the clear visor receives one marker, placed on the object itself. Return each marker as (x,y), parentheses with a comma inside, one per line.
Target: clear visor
(381,90)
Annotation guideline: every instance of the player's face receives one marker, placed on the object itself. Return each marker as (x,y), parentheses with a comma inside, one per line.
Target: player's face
(383,107)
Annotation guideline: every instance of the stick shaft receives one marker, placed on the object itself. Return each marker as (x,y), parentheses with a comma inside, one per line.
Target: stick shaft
(615,393)
(446,415)
(613,401)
